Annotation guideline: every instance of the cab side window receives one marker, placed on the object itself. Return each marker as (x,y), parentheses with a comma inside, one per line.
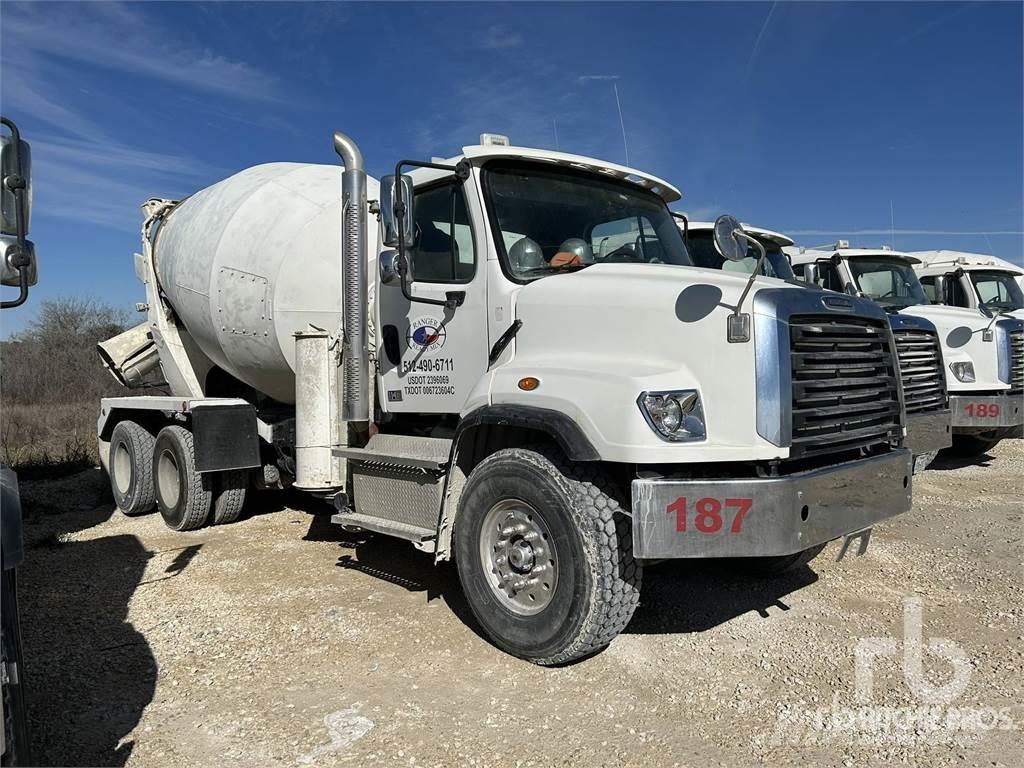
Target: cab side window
(444,251)
(798,270)
(957,296)
(828,278)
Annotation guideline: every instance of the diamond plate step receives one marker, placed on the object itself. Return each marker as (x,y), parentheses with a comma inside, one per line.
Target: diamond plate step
(401,451)
(379,525)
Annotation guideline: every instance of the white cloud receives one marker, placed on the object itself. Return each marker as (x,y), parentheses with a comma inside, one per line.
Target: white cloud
(82,170)
(498,37)
(116,37)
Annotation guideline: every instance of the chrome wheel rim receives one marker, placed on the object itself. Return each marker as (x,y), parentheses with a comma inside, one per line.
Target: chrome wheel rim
(168,479)
(122,468)
(518,557)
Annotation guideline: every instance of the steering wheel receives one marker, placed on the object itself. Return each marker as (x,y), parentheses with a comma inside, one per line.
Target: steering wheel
(621,255)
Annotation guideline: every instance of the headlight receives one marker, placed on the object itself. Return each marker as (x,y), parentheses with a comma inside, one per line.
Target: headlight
(963,371)
(676,416)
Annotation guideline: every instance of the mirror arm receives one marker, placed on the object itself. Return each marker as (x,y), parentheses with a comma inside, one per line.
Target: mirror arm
(16,183)
(686,224)
(757,268)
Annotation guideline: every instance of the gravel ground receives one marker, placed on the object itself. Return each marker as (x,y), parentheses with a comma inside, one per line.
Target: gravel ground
(283,641)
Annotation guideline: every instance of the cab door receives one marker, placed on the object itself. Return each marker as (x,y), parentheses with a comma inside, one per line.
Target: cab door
(431,356)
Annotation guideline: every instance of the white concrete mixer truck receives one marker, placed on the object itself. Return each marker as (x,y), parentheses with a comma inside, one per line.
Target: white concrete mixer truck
(983,352)
(507,359)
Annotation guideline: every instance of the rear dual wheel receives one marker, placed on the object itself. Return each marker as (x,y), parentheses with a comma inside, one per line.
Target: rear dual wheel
(147,472)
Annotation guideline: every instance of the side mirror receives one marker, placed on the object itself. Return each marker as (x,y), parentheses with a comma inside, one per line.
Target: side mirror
(18,264)
(16,172)
(10,274)
(940,289)
(396,191)
(811,275)
(728,243)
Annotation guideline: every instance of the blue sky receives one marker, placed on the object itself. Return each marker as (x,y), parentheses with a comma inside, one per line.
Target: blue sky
(807,118)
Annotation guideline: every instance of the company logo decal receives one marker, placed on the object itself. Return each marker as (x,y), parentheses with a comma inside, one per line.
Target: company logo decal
(427,334)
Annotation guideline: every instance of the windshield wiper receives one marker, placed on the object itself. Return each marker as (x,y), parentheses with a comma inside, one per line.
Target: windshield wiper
(548,269)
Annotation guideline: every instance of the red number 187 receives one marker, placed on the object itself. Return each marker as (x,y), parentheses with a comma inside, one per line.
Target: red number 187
(708,517)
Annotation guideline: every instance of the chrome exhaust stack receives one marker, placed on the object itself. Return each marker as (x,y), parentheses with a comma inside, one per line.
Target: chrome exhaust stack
(355,404)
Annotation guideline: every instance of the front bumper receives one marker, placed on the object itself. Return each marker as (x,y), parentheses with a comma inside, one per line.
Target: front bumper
(757,517)
(986,412)
(928,432)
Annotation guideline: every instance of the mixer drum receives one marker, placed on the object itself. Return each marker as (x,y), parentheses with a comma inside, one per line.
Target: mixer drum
(252,259)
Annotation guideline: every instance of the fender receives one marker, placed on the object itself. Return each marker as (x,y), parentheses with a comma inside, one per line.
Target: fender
(566,432)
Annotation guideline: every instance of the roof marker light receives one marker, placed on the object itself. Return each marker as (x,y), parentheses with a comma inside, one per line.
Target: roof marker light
(494,140)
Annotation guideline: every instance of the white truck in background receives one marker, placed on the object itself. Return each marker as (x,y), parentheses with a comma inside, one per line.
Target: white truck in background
(920,354)
(507,359)
(983,353)
(972,280)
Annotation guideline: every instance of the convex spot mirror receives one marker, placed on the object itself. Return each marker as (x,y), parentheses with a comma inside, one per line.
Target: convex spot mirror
(395,192)
(9,274)
(11,168)
(727,242)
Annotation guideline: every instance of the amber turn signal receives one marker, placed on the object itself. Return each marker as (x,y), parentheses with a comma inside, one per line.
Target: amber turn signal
(529,383)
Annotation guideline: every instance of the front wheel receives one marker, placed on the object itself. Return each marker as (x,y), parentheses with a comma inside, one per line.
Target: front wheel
(545,557)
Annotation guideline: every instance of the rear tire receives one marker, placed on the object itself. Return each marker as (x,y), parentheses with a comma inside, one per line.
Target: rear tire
(923,460)
(183,496)
(131,468)
(229,497)
(769,567)
(969,446)
(571,583)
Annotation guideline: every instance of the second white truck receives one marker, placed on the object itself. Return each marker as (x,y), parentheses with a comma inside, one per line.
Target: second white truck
(983,353)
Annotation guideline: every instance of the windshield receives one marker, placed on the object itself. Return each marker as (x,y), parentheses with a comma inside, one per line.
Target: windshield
(550,220)
(890,282)
(701,245)
(997,290)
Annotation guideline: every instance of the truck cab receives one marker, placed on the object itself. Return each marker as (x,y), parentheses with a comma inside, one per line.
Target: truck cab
(972,280)
(983,353)
(516,367)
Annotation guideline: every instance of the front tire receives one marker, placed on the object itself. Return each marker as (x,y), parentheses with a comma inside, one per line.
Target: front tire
(545,557)
(183,495)
(131,468)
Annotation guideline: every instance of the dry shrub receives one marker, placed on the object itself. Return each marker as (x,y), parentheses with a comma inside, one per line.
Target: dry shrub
(51,381)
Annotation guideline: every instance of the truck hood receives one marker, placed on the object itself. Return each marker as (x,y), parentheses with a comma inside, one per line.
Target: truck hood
(962,336)
(598,338)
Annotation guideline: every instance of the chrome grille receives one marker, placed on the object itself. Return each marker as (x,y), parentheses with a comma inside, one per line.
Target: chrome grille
(845,390)
(924,383)
(1016,362)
